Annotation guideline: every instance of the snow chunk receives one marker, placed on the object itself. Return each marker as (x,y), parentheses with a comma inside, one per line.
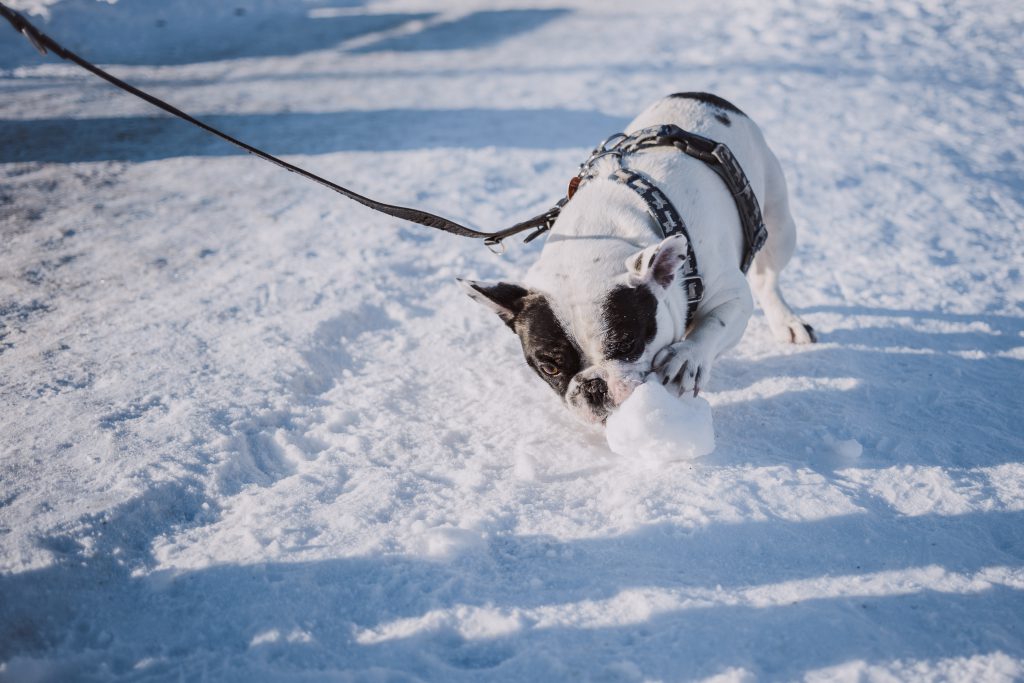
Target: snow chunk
(654,424)
(271,636)
(844,448)
(850,448)
(442,542)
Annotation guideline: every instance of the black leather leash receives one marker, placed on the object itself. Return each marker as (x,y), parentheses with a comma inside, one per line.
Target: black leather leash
(714,154)
(493,240)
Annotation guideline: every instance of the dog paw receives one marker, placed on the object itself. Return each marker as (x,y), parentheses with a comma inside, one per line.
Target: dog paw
(802,333)
(795,331)
(683,367)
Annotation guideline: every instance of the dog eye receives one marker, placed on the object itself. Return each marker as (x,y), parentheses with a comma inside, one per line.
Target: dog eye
(549,369)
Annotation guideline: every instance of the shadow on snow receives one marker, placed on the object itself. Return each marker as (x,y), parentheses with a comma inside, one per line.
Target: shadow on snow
(476,30)
(91,604)
(171,33)
(147,138)
(924,404)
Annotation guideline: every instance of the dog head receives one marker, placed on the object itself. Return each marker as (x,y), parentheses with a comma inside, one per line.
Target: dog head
(592,332)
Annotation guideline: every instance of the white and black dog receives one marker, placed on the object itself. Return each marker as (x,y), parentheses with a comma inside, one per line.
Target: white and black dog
(603,306)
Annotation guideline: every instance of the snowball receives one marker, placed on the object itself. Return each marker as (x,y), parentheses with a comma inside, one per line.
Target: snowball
(654,424)
(850,448)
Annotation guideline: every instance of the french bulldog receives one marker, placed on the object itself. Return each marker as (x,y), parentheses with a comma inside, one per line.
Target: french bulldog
(603,306)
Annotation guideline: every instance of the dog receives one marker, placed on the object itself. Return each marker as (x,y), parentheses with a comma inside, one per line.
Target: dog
(604,305)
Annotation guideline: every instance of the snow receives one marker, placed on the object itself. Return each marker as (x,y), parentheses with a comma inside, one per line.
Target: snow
(251,431)
(655,426)
(845,448)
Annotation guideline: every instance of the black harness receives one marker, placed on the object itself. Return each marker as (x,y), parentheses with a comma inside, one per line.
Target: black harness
(670,223)
(715,154)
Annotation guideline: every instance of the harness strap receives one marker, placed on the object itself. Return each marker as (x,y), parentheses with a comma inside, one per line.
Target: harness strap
(671,223)
(716,155)
(720,159)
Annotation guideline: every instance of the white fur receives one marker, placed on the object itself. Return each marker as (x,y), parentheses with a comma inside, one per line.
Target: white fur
(606,223)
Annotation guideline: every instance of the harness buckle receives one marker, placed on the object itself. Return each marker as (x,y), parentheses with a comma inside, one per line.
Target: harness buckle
(694,285)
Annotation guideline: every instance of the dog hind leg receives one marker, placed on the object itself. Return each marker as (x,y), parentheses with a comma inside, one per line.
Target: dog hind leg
(764,273)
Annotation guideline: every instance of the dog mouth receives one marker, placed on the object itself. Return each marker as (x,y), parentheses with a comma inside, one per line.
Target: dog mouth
(589,413)
(595,399)
(621,390)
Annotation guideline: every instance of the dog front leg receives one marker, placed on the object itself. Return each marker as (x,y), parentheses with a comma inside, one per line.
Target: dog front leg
(685,366)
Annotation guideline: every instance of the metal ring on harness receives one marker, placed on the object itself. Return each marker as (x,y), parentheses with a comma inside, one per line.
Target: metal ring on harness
(606,148)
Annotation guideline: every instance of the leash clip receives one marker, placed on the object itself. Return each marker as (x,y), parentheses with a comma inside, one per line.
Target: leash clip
(495,245)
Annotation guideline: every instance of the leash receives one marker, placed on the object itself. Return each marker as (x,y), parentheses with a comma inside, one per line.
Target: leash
(715,155)
(493,240)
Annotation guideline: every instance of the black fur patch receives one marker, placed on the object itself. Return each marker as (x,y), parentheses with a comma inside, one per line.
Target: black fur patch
(544,340)
(629,316)
(713,100)
(507,296)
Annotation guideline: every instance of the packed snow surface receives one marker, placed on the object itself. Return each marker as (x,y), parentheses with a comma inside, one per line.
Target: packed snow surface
(252,431)
(654,425)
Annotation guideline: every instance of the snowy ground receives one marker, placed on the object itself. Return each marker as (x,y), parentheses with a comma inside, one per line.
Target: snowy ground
(251,431)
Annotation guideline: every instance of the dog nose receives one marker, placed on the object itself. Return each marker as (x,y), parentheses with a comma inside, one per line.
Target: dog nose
(595,388)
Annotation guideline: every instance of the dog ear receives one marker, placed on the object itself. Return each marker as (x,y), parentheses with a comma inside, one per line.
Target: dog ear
(658,264)
(504,298)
